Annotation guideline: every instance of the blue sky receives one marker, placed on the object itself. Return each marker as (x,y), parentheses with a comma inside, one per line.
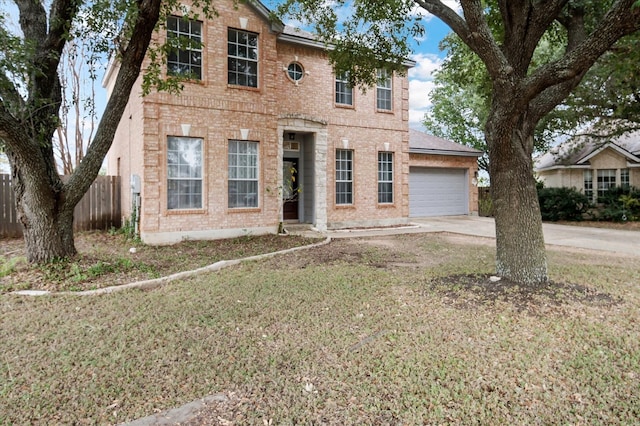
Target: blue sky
(428,59)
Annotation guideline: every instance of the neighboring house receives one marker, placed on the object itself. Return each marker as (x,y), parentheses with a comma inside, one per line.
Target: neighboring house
(592,165)
(265,132)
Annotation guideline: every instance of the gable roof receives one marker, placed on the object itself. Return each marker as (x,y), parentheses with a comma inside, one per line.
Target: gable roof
(577,152)
(423,143)
(288,33)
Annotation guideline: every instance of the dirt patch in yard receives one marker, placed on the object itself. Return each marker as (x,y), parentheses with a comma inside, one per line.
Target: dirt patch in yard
(107,259)
(468,291)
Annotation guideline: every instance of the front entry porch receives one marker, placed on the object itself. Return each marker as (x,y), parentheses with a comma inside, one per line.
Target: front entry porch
(302,171)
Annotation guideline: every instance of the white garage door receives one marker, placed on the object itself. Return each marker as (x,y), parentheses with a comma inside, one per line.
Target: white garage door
(437,192)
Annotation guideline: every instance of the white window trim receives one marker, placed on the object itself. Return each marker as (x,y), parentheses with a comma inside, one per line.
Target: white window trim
(189,35)
(611,173)
(340,159)
(388,160)
(386,86)
(190,178)
(247,59)
(343,81)
(236,179)
(587,191)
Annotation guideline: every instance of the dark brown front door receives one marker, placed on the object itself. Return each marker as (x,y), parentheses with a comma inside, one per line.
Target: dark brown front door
(290,188)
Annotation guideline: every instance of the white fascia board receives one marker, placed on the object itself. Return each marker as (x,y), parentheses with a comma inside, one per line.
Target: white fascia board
(613,146)
(111,67)
(445,152)
(577,166)
(303,41)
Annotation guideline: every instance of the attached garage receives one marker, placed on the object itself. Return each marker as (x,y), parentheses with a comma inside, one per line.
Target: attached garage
(438,192)
(441,176)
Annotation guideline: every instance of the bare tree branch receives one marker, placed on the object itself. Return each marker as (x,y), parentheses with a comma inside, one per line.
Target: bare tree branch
(130,65)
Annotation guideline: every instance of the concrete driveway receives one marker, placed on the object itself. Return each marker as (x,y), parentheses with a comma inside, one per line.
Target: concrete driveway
(611,240)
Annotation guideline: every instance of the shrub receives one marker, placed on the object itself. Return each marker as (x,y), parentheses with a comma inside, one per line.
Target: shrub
(620,204)
(562,204)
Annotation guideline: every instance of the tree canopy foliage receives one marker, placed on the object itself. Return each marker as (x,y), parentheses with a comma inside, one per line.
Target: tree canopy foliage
(606,102)
(31,48)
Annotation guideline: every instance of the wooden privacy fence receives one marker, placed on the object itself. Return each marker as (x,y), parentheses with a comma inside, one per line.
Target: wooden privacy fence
(99,209)
(485,205)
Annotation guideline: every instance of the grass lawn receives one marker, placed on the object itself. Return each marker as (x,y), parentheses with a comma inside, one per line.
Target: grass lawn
(389,330)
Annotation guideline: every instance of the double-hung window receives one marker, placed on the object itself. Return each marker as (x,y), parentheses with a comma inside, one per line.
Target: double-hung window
(606,180)
(344,176)
(185,57)
(242,51)
(243,174)
(385,177)
(383,90)
(344,92)
(624,178)
(588,184)
(184,173)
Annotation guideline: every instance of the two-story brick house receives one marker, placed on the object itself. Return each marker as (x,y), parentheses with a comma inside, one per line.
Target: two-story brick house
(263,132)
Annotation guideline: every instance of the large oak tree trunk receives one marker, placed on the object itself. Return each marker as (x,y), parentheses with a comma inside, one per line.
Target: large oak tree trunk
(44,203)
(42,208)
(48,235)
(520,254)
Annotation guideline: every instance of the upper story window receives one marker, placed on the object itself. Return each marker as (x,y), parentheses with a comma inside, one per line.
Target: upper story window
(383,90)
(242,50)
(344,92)
(385,177)
(295,71)
(187,59)
(184,173)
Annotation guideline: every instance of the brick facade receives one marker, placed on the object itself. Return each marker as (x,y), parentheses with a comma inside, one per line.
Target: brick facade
(276,112)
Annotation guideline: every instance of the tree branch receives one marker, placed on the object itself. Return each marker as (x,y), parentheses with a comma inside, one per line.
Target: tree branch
(19,145)
(33,20)
(474,31)
(147,16)
(621,20)
(9,95)
(446,14)
(525,23)
(9,126)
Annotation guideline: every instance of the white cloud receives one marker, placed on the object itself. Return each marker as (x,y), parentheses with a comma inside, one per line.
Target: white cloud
(420,85)
(426,64)
(419,94)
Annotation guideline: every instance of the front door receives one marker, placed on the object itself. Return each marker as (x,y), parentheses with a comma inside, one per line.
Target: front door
(290,188)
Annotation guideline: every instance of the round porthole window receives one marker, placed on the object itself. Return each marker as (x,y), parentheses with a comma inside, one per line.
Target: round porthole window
(295,71)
